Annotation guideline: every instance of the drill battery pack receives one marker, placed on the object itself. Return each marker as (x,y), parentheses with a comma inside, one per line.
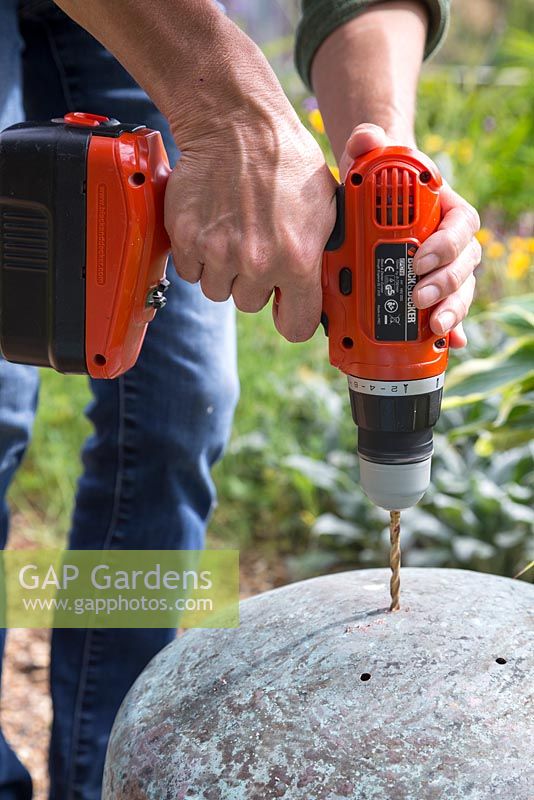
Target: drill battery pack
(83,249)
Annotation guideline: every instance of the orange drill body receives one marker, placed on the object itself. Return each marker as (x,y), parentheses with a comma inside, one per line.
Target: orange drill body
(385,203)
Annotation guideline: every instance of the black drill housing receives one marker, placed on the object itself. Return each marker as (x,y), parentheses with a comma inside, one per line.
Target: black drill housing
(395,430)
(42,245)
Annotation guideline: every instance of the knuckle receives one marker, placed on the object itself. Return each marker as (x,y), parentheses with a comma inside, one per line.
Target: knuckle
(255,258)
(454,244)
(184,234)
(214,249)
(298,256)
(472,217)
(462,308)
(454,278)
(302,267)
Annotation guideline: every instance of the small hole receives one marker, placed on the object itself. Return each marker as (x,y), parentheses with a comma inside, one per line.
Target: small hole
(365,676)
(500,660)
(425,176)
(100,360)
(356,179)
(347,343)
(137,179)
(441,343)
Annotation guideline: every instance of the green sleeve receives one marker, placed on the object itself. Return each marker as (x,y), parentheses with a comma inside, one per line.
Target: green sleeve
(321,17)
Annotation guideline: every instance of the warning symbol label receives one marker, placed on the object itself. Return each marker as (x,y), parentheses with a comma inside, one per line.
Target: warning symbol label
(396,317)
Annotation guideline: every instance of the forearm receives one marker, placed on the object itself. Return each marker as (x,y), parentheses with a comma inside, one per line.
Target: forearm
(195,64)
(367,71)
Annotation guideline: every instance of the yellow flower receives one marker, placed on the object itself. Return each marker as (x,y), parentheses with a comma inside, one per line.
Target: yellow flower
(433,143)
(464,151)
(335,173)
(530,244)
(517,243)
(518,264)
(316,121)
(495,250)
(485,236)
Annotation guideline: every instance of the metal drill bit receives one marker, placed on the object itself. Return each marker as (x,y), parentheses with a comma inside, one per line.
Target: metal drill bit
(395,560)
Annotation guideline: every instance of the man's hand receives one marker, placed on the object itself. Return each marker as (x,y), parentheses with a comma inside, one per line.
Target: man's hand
(251,203)
(365,72)
(249,207)
(446,261)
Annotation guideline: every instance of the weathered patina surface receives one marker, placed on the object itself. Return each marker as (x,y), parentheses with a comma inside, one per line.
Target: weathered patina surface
(322,694)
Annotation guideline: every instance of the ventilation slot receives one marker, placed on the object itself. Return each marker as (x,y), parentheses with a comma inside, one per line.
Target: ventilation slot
(395,197)
(24,238)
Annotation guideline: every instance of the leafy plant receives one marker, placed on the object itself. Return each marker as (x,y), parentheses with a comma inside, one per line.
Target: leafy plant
(304,500)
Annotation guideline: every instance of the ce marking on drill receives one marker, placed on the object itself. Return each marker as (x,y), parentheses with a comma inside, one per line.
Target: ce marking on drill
(387,388)
(396,317)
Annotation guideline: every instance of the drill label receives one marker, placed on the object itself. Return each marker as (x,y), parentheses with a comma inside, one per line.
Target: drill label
(396,317)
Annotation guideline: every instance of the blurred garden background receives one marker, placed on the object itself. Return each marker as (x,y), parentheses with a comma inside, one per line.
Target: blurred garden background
(288,487)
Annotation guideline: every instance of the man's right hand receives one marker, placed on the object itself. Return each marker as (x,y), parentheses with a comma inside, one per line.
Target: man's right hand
(250,207)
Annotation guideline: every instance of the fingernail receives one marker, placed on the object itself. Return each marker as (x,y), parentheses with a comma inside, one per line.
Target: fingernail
(427,296)
(447,320)
(426,264)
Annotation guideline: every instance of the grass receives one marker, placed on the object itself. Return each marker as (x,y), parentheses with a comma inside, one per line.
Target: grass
(44,488)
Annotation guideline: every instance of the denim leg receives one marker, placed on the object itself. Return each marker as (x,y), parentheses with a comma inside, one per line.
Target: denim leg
(157,430)
(18,384)
(18,400)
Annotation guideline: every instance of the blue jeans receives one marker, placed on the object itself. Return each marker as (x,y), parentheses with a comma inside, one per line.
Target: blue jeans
(157,430)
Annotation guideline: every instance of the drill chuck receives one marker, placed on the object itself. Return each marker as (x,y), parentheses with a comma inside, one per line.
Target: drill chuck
(395,421)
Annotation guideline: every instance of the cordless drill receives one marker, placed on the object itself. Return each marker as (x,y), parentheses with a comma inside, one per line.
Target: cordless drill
(395,364)
(83,253)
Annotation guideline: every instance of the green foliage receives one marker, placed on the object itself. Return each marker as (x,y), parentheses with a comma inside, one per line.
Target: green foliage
(290,480)
(486,134)
(485,119)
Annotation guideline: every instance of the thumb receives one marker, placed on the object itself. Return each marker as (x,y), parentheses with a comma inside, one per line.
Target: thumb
(297,310)
(363,138)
